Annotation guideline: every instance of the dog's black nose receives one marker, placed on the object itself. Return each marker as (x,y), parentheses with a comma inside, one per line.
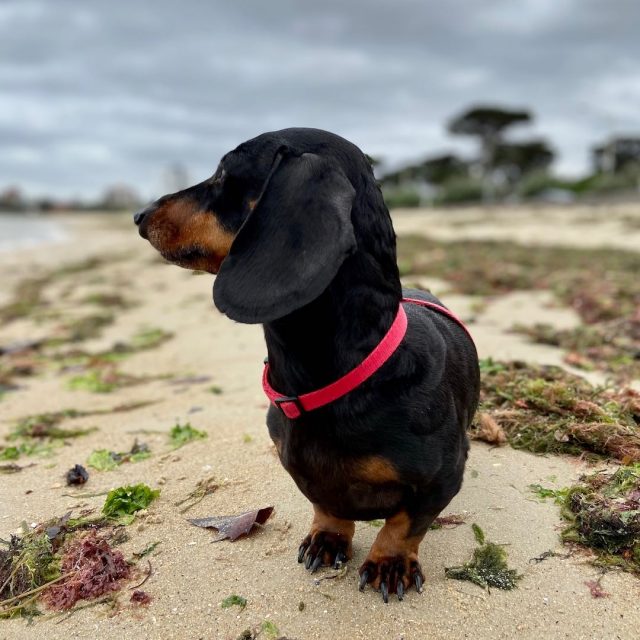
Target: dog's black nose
(139,217)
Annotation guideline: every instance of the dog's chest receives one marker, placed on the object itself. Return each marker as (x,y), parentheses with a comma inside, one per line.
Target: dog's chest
(347,485)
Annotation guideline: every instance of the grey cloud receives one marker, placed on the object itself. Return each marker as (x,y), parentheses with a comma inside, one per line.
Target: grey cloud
(96,92)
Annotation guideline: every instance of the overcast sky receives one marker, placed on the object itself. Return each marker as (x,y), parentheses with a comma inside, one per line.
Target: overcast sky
(96,92)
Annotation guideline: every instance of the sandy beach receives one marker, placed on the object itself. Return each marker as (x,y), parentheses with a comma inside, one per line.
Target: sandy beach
(208,374)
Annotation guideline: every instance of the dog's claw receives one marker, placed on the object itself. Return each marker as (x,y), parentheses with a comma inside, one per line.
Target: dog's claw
(391,574)
(364,578)
(324,549)
(340,559)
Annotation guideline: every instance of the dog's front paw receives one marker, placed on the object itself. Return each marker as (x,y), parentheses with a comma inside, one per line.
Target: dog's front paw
(324,549)
(391,574)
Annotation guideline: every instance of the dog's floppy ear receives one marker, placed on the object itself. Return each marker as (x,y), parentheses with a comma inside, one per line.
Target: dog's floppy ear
(292,244)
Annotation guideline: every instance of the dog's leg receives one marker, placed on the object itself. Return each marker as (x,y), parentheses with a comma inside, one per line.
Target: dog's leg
(392,565)
(328,542)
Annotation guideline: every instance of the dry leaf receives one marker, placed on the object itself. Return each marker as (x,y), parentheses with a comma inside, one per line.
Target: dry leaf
(489,430)
(233,527)
(452,520)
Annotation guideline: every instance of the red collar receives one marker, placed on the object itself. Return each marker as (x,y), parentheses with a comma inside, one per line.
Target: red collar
(293,406)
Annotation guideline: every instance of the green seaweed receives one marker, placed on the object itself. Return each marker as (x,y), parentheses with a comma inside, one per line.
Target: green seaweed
(545,409)
(149,338)
(126,501)
(234,601)
(599,284)
(44,449)
(478,533)
(28,294)
(603,511)
(488,566)
(27,299)
(109,300)
(81,329)
(105,460)
(10,453)
(182,434)
(104,379)
(37,563)
(28,563)
(45,425)
(270,629)
(543,493)
(143,340)
(93,381)
(610,346)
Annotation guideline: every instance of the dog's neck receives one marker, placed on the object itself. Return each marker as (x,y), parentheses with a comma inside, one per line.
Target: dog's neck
(315,345)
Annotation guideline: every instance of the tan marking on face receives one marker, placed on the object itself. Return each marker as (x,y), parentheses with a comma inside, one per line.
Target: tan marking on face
(375,470)
(251,204)
(188,236)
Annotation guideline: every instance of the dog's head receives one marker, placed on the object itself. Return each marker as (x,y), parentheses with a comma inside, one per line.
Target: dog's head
(274,222)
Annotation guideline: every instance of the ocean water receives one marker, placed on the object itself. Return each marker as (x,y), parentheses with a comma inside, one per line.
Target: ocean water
(24,230)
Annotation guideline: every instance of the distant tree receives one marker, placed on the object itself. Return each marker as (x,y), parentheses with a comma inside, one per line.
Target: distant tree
(488,123)
(439,169)
(396,177)
(517,159)
(435,170)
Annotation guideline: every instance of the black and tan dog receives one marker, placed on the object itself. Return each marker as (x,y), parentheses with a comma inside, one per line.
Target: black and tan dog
(295,226)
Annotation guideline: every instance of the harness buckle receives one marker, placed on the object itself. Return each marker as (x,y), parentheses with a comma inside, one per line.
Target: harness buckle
(289,411)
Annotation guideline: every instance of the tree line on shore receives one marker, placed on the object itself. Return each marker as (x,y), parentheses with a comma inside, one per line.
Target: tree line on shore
(509,170)
(504,170)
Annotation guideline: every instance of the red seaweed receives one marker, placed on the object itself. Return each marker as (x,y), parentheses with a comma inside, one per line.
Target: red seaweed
(94,569)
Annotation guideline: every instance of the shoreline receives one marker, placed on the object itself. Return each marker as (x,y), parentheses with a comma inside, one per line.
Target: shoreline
(28,230)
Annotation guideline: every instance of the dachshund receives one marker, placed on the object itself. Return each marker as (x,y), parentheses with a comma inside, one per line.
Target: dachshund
(294,225)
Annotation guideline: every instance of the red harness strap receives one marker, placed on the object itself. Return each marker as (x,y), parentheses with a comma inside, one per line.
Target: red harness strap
(293,406)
